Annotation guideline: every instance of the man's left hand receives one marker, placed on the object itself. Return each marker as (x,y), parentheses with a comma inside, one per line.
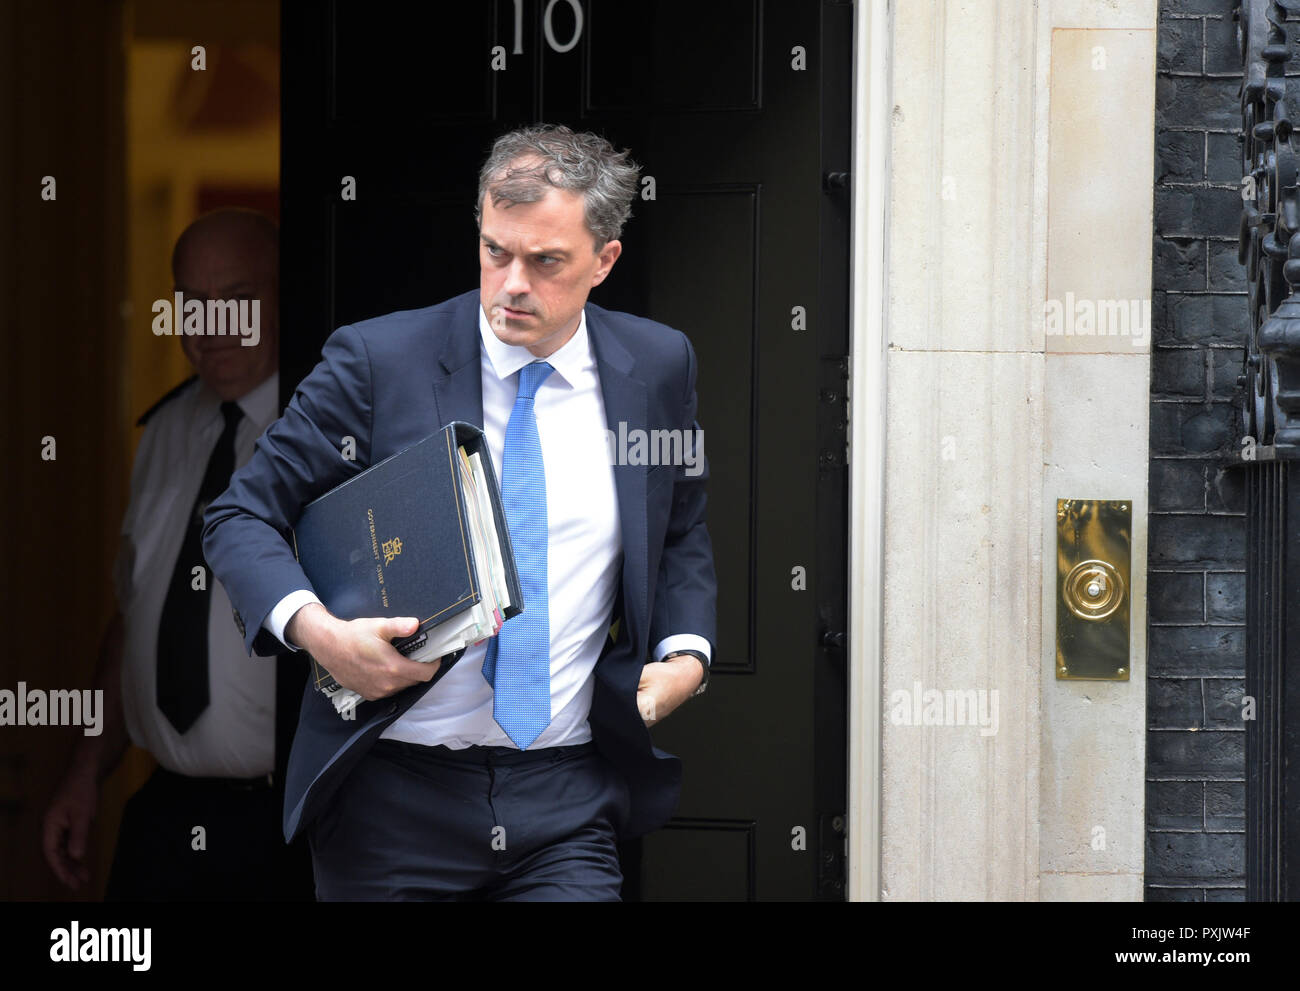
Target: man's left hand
(667,684)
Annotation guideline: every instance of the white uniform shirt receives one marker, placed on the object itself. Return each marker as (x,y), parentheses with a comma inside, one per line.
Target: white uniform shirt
(234,737)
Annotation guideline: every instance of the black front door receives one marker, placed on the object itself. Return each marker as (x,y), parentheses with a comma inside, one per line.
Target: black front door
(738,112)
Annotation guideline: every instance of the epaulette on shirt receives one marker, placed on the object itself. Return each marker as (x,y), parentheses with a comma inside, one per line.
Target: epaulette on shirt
(144,417)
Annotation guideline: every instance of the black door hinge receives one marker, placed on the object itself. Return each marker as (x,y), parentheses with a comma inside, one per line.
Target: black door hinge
(832,841)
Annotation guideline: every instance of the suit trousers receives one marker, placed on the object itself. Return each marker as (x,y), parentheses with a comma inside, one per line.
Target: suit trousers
(239,855)
(419,823)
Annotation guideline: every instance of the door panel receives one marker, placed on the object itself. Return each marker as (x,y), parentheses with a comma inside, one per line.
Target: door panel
(717,313)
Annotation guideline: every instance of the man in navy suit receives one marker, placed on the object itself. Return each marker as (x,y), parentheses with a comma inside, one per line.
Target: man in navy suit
(517,774)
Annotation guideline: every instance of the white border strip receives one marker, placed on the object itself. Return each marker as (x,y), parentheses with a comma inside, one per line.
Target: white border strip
(870,212)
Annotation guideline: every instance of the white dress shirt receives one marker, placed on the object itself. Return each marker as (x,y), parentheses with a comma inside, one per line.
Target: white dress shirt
(584,553)
(234,737)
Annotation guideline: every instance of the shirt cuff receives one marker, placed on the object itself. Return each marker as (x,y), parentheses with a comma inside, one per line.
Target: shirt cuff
(683,641)
(278,618)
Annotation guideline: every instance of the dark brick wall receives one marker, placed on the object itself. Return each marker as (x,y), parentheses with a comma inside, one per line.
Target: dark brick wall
(1196,849)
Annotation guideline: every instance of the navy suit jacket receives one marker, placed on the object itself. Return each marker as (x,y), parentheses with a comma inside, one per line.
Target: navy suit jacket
(393,380)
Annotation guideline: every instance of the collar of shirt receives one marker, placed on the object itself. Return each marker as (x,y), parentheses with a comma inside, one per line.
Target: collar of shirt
(259,404)
(506,359)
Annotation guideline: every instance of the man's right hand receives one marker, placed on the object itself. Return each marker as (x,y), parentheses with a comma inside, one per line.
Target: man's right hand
(65,830)
(67,826)
(358,652)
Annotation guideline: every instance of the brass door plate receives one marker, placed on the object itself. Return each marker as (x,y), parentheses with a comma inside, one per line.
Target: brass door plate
(1094,541)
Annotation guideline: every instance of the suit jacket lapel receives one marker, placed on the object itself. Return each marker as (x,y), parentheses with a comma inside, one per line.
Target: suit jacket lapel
(457,395)
(625,398)
(458,391)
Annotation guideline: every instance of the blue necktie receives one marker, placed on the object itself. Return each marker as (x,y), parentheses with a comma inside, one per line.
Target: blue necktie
(518,661)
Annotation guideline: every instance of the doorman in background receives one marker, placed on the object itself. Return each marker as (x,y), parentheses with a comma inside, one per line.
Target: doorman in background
(176,680)
(515,774)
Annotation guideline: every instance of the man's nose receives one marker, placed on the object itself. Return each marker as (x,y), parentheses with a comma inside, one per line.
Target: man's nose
(516,283)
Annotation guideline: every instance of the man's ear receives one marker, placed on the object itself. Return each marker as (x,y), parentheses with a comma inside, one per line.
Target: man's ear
(608,255)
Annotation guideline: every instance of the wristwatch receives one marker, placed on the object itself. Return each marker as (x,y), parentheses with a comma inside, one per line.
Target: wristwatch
(704,662)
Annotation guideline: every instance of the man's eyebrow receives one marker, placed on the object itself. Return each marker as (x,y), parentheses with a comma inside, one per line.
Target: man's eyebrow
(549,252)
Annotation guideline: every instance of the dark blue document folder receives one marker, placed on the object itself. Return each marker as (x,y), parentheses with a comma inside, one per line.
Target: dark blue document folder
(396,540)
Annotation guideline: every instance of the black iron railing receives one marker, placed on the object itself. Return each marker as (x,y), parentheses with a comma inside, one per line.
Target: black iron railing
(1269,446)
